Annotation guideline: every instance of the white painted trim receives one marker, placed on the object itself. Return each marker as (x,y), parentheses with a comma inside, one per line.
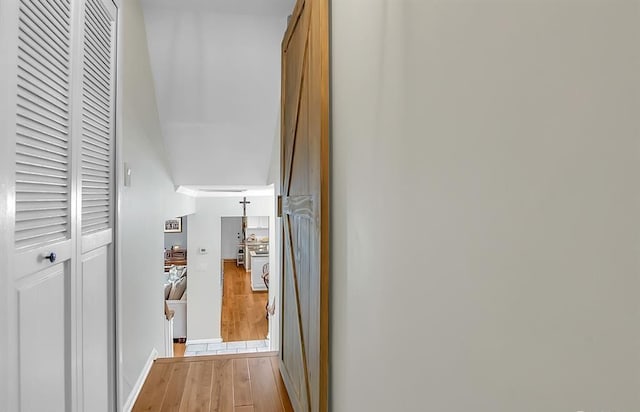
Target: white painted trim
(95,240)
(9,389)
(168,338)
(135,392)
(119,179)
(201,341)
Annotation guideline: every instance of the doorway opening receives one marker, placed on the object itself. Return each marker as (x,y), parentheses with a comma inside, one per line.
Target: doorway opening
(226,254)
(175,284)
(245,310)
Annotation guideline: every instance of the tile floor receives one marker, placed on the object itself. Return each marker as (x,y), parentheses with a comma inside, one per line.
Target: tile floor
(225,348)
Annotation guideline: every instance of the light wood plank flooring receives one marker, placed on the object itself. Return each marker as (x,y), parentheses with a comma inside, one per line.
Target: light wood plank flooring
(234,383)
(179,349)
(243,311)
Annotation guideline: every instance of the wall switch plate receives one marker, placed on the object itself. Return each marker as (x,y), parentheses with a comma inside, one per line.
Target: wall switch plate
(127,175)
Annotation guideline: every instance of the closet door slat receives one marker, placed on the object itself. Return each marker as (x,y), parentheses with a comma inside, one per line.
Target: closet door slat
(97,118)
(43,125)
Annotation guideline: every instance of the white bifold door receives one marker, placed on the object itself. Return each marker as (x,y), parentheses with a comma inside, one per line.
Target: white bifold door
(57,119)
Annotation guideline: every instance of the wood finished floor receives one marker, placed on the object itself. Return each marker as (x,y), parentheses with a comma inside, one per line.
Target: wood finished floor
(233,383)
(243,311)
(179,349)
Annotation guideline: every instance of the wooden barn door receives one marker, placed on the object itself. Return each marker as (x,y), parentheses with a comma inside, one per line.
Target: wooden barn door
(304,206)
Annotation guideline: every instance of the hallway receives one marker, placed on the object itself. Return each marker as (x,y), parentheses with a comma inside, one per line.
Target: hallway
(236,383)
(243,311)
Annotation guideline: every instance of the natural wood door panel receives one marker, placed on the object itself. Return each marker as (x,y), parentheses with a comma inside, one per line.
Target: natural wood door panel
(294,64)
(305,214)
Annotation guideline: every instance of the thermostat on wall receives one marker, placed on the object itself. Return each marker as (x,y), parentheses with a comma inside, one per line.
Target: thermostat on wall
(202,251)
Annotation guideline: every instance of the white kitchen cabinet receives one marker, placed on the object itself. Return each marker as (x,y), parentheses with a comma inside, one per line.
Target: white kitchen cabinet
(251,247)
(257,264)
(257,222)
(252,221)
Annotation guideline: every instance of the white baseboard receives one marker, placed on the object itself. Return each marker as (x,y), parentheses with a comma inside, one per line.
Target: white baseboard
(133,396)
(200,341)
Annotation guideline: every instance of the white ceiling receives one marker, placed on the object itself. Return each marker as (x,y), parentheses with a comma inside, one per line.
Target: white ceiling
(279,8)
(216,68)
(226,191)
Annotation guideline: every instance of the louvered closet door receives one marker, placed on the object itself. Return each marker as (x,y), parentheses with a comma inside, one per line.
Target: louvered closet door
(97,201)
(39,286)
(60,149)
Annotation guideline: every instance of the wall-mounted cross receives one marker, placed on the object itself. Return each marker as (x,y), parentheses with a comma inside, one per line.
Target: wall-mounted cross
(244,204)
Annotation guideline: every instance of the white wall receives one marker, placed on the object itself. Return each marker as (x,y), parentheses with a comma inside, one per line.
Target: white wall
(275,225)
(217,76)
(204,291)
(143,207)
(506,135)
(231,236)
(180,238)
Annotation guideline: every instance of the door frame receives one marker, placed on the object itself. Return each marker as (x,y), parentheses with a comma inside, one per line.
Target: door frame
(273,330)
(8,301)
(114,293)
(224,260)
(116,337)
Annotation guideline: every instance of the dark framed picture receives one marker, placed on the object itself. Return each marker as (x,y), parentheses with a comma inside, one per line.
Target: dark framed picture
(173,225)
